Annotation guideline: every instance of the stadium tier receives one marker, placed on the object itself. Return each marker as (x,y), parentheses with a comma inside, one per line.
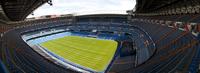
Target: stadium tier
(158,37)
(140,49)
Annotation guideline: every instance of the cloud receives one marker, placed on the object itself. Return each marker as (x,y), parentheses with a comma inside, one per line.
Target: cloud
(84,6)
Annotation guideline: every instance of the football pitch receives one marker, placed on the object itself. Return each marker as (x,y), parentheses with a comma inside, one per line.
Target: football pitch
(92,53)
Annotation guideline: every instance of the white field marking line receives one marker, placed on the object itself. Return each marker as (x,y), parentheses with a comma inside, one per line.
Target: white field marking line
(82,58)
(72,52)
(84,49)
(79,48)
(78,64)
(86,40)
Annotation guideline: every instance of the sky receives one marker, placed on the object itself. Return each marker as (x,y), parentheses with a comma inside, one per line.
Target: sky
(84,7)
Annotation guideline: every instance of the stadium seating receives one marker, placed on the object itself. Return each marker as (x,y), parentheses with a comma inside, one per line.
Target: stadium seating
(177,37)
(176,50)
(3,68)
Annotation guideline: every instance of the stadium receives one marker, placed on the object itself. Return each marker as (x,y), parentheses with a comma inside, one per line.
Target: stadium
(155,37)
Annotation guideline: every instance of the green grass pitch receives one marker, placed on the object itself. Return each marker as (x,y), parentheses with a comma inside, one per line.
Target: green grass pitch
(91,53)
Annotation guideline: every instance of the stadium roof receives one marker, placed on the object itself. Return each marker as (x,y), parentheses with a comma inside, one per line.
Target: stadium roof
(103,15)
(151,5)
(146,6)
(18,9)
